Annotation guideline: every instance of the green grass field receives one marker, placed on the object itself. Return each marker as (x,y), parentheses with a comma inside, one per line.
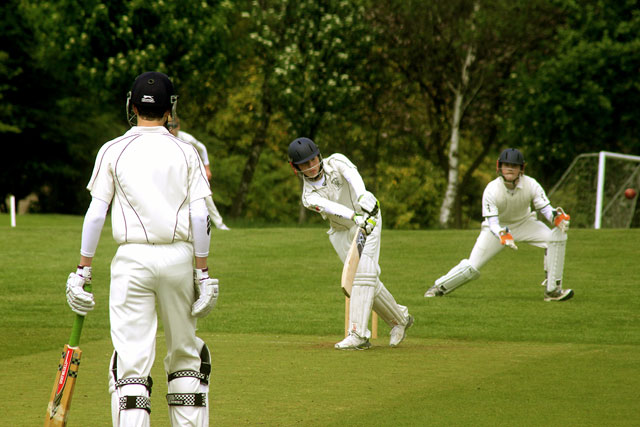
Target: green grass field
(492,353)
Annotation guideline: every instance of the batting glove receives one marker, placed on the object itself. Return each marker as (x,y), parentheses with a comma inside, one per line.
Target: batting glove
(206,291)
(507,239)
(367,224)
(561,219)
(80,301)
(369,203)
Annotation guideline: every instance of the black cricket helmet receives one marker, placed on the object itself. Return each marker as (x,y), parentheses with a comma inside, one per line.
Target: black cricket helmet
(154,91)
(302,150)
(510,155)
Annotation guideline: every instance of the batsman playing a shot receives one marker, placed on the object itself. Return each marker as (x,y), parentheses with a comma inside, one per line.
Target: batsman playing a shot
(334,188)
(156,186)
(506,207)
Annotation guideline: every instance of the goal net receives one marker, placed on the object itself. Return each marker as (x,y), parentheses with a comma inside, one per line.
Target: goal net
(592,190)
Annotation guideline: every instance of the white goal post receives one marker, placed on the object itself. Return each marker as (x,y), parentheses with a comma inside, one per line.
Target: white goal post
(592,190)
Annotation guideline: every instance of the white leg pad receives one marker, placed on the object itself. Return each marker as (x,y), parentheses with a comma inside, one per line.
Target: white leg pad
(127,417)
(188,392)
(186,415)
(205,368)
(360,310)
(554,260)
(388,309)
(459,275)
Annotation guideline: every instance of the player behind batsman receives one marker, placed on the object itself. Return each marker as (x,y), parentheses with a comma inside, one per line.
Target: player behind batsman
(156,186)
(334,188)
(173,125)
(508,218)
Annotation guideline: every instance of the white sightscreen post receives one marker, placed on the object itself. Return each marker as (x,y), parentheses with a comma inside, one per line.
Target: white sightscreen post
(12,202)
(600,190)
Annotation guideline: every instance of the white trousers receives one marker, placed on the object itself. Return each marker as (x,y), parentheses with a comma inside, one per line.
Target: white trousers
(143,277)
(531,231)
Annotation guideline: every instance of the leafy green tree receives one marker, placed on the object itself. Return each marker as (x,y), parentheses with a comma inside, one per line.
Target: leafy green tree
(457,56)
(585,96)
(307,54)
(81,58)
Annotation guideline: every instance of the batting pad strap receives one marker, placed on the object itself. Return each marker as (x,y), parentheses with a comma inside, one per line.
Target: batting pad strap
(187,399)
(202,376)
(135,402)
(147,382)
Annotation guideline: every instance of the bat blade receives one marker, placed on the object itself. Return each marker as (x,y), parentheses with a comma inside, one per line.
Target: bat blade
(352,261)
(64,385)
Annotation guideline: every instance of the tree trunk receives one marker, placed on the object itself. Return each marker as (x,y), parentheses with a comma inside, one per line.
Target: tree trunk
(460,90)
(257,145)
(454,161)
(448,204)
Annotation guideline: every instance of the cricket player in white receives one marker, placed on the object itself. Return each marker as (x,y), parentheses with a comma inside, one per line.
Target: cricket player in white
(156,187)
(174,128)
(334,188)
(506,207)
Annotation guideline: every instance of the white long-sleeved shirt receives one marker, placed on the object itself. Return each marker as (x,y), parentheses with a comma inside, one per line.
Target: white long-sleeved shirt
(335,195)
(150,178)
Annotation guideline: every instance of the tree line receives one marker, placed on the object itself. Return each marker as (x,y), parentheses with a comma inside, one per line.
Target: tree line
(421,95)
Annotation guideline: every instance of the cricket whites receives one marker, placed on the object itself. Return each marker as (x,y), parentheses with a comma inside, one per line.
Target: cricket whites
(60,401)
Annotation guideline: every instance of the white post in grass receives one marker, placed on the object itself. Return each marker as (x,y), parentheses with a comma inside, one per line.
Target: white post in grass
(12,202)
(600,190)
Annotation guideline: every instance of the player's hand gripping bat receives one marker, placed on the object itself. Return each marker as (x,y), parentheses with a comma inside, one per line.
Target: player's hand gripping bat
(60,401)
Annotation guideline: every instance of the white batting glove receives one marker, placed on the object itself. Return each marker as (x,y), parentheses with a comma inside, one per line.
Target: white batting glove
(507,239)
(367,224)
(80,301)
(561,219)
(207,292)
(368,203)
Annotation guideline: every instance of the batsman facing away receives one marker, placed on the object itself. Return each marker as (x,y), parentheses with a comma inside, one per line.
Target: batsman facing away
(334,188)
(506,207)
(157,186)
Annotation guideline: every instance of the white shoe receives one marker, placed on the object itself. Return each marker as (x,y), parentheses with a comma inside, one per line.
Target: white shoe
(433,291)
(558,295)
(399,332)
(223,227)
(353,342)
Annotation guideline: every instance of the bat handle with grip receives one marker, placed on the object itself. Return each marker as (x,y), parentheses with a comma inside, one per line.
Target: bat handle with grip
(76,330)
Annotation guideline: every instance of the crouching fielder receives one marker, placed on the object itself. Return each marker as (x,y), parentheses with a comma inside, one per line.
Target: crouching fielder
(334,188)
(506,207)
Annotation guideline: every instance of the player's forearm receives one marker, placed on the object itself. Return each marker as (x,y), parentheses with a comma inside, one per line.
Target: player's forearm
(547,211)
(92,227)
(200,228)
(321,205)
(201,262)
(494,225)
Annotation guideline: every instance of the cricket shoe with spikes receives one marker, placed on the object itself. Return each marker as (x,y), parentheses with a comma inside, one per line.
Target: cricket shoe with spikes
(558,295)
(353,342)
(433,291)
(399,332)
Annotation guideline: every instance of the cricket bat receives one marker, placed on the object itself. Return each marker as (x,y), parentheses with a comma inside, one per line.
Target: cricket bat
(349,273)
(352,261)
(60,401)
